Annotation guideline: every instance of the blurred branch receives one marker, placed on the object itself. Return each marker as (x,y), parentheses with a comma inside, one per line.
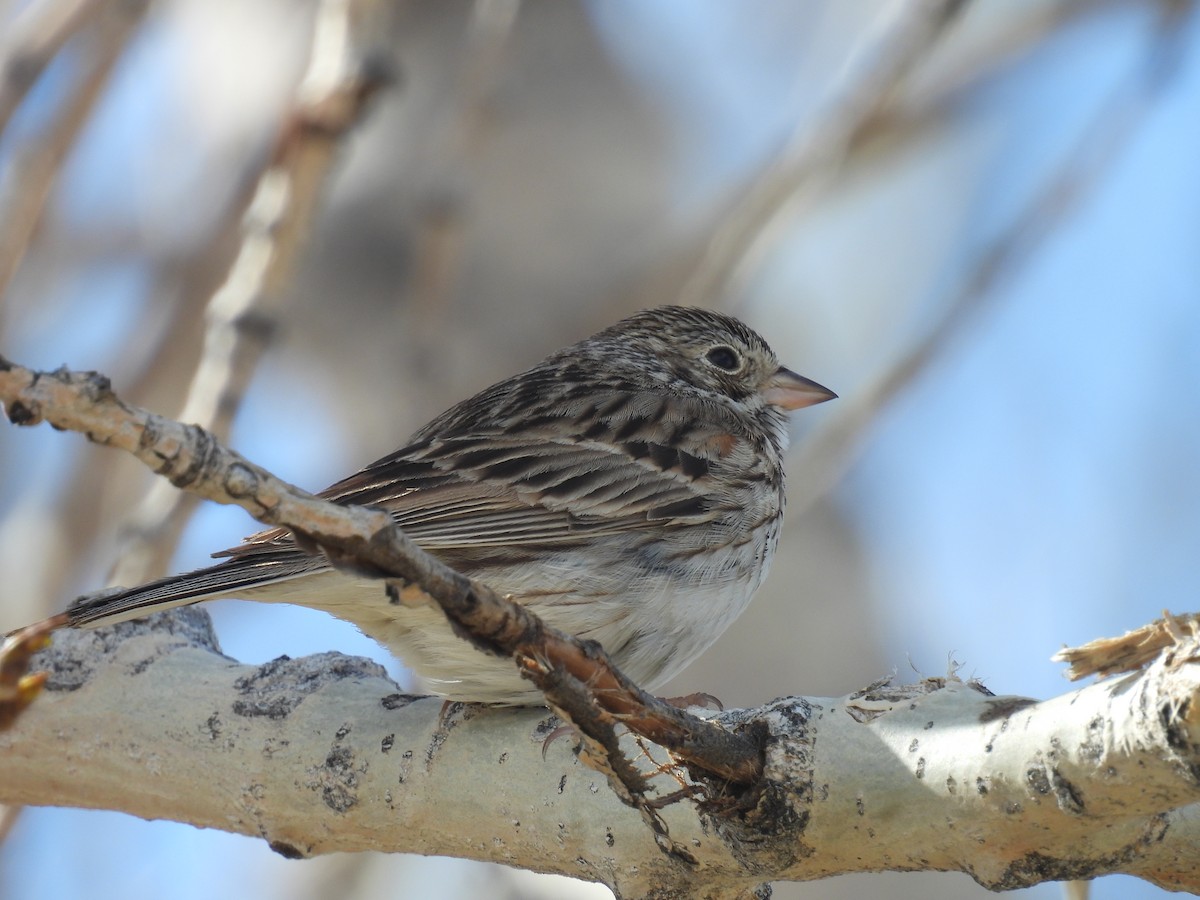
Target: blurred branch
(332,99)
(31,40)
(454,146)
(831,451)
(937,99)
(903,35)
(34,168)
(323,754)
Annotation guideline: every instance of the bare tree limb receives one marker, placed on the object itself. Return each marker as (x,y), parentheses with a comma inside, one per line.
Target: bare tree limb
(324,754)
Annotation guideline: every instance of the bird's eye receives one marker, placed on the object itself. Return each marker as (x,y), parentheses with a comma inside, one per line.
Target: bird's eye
(724,358)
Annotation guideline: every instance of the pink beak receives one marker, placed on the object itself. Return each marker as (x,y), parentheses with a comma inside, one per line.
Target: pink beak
(789,391)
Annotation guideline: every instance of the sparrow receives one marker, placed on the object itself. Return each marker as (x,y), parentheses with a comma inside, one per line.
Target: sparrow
(629,489)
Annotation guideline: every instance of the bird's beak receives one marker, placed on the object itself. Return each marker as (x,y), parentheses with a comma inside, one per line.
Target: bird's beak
(789,391)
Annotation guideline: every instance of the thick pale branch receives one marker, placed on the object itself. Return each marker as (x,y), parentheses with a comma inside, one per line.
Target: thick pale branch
(324,754)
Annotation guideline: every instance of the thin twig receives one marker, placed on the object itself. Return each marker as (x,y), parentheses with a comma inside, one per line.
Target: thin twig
(902,38)
(939,98)
(457,138)
(31,40)
(35,168)
(831,451)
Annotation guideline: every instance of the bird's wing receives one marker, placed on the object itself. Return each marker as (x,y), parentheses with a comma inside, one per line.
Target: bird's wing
(459,496)
(479,491)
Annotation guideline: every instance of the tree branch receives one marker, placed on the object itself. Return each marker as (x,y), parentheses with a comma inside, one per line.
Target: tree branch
(324,754)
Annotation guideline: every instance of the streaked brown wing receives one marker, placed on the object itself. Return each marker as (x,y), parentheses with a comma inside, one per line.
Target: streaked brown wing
(479,491)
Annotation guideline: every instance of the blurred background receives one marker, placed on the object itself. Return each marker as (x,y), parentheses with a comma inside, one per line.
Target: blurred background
(978,222)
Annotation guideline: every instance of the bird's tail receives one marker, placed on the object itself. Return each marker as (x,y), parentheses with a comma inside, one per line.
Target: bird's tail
(238,577)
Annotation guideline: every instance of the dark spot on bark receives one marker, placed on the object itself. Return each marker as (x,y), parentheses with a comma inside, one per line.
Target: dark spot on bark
(396,701)
(286,850)
(1038,779)
(1174,717)
(1069,797)
(1037,868)
(562,784)
(951,785)
(1002,707)
(340,780)
(1093,747)
(273,708)
(212,725)
(921,767)
(914,745)
(275,688)
(22,414)
(387,743)
(860,806)
(342,732)
(981,785)
(608,837)
(142,665)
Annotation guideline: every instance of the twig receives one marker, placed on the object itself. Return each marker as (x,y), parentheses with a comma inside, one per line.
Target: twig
(457,136)
(938,99)
(31,40)
(36,166)
(830,452)
(903,36)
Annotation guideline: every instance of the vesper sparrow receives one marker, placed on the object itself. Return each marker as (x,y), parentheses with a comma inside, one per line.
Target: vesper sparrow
(628,488)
